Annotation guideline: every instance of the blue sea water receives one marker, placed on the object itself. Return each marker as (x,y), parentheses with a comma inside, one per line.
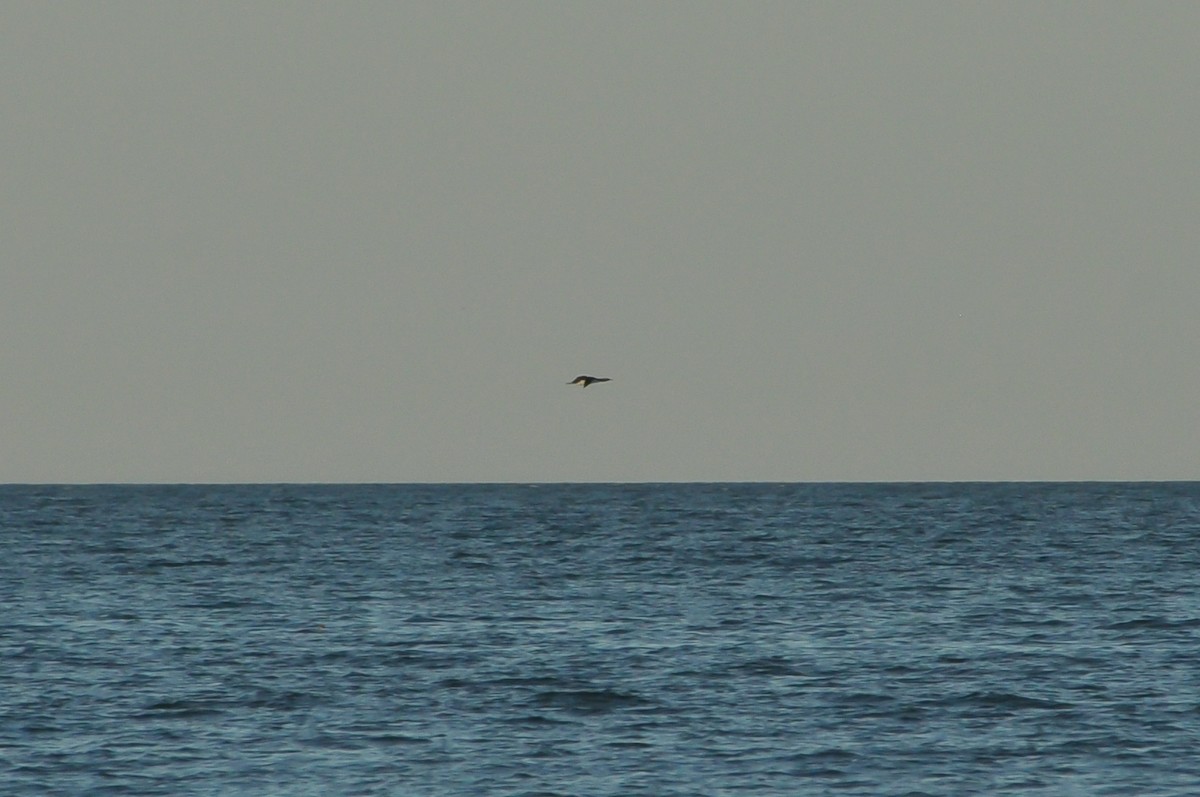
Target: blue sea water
(697,639)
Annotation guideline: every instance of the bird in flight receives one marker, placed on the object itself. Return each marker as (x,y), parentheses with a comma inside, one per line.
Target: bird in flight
(584,381)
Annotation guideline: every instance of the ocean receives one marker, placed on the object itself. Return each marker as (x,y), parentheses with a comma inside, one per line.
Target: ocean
(601,639)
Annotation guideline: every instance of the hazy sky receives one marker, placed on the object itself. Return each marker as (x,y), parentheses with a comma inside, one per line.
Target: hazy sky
(808,241)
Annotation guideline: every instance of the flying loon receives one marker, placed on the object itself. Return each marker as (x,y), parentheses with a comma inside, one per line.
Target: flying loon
(584,381)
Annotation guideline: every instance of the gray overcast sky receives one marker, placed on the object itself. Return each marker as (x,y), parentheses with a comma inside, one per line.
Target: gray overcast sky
(808,241)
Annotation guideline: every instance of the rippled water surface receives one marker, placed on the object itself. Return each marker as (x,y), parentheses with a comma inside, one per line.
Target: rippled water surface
(600,640)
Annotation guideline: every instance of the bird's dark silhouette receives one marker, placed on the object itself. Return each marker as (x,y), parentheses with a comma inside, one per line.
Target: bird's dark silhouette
(584,381)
